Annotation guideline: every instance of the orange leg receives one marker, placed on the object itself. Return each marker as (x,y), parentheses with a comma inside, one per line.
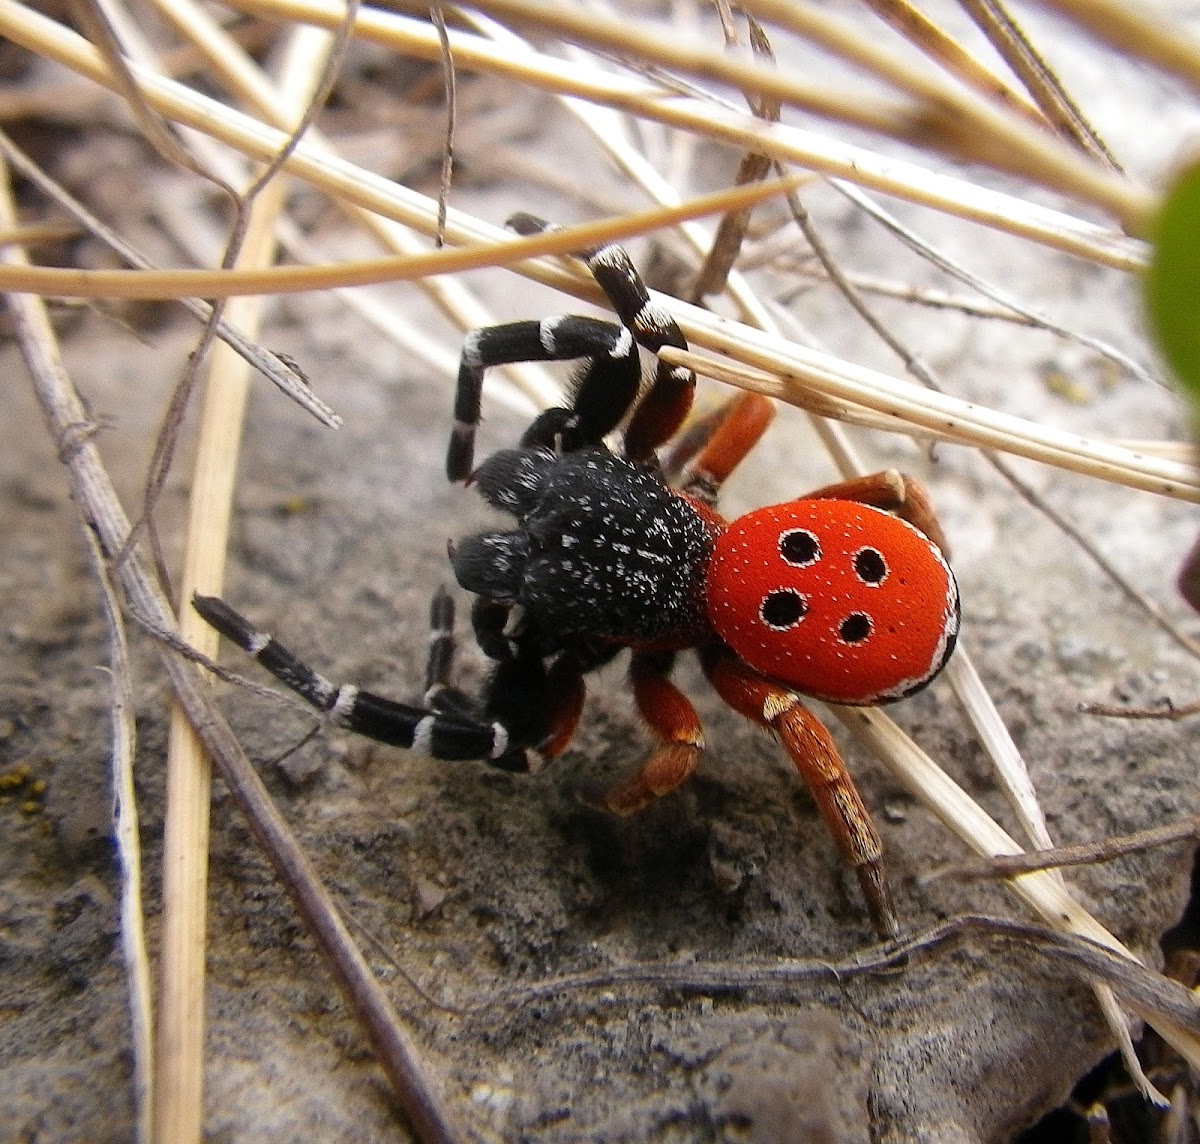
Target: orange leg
(816,757)
(895,492)
(723,443)
(566,686)
(674,721)
(661,412)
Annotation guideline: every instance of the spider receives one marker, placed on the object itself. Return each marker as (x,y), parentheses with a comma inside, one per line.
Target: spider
(843,595)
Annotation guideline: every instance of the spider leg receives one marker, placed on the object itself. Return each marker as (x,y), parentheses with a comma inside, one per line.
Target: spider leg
(489,619)
(663,410)
(442,734)
(566,692)
(673,720)
(895,492)
(742,423)
(816,757)
(608,389)
(440,694)
(666,405)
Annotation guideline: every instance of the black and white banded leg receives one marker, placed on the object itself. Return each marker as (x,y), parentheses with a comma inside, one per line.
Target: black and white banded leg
(608,384)
(602,396)
(440,694)
(666,405)
(443,734)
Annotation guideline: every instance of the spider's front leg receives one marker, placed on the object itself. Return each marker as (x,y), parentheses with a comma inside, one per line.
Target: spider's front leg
(601,398)
(608,384)
(816,757)
(445,729)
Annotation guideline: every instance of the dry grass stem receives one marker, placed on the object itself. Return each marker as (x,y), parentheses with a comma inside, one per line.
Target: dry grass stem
(1016,49)
(808,149)
(1140,31)
(238,71)
(181,1059)
(949,54)
(1079,854)
(129,852)
(233,282)
(791,373)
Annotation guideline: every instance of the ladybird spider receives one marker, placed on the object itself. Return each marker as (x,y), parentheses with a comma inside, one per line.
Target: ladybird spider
(830,596)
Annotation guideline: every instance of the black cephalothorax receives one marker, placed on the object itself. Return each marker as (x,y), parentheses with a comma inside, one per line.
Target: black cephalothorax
(604,549)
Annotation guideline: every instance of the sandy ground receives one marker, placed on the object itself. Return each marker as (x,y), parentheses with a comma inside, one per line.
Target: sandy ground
(472,886)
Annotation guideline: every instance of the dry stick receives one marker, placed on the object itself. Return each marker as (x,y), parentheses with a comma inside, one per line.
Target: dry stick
(129,854)
(499,249)
(755,166)
(1151,995)
(438,18)
(1170,714)
(92,491)
(36,234)
(1015,48)
(1080,854)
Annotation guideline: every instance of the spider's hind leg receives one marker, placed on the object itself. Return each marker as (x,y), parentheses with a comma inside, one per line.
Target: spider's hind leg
(817,759)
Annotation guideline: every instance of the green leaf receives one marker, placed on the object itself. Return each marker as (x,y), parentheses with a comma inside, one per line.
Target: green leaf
(1173,280)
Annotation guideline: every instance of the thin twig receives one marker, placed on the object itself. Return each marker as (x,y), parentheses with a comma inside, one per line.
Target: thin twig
(1080,854)
(1149,993)
(128,847)
(270,365)
(1016,49)
(438,19)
